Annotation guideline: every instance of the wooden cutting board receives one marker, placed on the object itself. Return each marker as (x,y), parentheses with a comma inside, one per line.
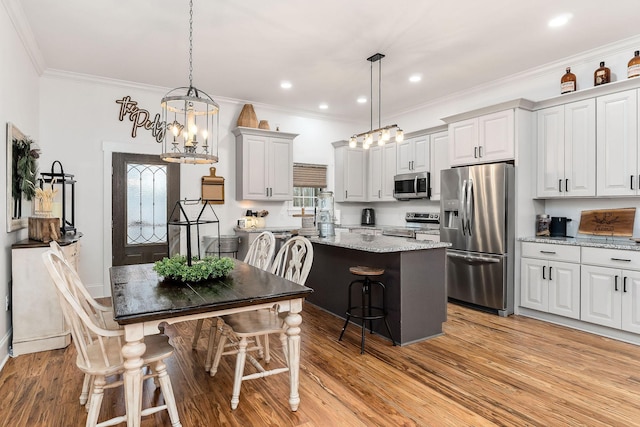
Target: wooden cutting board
(608,222)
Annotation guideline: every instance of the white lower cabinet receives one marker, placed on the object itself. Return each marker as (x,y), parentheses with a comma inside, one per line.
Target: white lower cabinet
(611,294)
(548,283)
(594,285)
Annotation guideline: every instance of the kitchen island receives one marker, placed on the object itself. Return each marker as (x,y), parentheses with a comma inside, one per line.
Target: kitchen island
(416,296)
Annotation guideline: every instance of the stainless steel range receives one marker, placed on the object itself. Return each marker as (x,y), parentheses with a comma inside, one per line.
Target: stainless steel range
(415,221)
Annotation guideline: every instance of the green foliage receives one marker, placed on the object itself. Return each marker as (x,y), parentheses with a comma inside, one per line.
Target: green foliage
(206,268)
(24,169)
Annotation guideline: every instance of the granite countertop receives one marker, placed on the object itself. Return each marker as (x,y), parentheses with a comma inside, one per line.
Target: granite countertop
(591,242)
(433,232)
(378,244)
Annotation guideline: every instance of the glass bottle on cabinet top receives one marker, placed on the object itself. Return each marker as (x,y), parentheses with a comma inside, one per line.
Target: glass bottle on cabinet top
(633,68)
(568,82)
(602,75)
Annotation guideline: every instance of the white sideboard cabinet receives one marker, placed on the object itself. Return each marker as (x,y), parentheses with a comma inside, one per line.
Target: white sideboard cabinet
(38,322)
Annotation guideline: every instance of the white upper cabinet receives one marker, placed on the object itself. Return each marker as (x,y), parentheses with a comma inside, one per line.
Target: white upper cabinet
(264,164)
(567,150)
(413,155)
(439,157)
(617,144)
(382,168)
(350,173)
(484,139)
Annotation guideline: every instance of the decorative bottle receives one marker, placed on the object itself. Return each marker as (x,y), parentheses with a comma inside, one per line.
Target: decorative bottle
(633,69)
(568,82)
(602,75)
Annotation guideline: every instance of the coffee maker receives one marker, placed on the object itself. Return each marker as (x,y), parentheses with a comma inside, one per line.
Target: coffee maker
(368,217)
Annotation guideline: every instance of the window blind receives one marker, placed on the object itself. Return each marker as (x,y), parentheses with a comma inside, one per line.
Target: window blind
(309,175)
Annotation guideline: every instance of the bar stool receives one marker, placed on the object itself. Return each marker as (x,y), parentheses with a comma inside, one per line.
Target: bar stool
(366,311)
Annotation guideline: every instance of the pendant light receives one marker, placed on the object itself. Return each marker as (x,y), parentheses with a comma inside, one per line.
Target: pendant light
(191,118)
(383,134)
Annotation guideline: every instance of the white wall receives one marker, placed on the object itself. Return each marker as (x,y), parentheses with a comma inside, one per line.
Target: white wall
(80,128)
(19,93)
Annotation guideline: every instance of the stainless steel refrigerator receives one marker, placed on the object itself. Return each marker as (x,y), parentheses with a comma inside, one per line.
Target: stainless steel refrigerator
(477,218)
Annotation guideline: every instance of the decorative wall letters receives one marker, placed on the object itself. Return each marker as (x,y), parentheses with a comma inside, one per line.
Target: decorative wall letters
(141,119)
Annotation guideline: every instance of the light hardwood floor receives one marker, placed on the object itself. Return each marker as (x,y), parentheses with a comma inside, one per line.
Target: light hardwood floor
(484,371)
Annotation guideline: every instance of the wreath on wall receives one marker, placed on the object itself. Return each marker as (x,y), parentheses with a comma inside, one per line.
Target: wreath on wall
(25,168)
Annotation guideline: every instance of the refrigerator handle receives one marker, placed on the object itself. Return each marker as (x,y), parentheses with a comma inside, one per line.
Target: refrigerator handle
(415,185)
(469,207)
(463,206)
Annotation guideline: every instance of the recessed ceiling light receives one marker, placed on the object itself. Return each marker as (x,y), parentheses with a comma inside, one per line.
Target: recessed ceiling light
(285,85)
(323,106)
(560,20)
(415,78)
(362,99)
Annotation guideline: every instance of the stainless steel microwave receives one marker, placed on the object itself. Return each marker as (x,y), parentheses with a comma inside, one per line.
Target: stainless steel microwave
(412,186)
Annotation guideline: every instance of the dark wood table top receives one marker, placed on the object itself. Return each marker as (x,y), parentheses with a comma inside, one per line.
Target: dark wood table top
(140,295)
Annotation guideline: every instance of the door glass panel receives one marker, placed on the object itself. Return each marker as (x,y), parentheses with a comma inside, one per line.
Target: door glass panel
(146,204)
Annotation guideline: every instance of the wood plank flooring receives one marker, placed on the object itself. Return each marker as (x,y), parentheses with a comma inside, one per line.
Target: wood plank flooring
(484,371)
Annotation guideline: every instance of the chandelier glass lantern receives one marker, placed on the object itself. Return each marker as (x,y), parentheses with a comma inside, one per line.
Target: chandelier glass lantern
(191,118)
(383,133)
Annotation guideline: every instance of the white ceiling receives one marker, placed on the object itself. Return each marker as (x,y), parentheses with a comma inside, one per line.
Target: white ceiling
(243,49)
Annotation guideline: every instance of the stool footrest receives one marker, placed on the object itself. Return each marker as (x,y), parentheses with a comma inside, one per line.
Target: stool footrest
(360,312)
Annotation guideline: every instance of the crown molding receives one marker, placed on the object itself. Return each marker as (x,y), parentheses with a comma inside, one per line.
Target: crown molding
(587,57)
(90,78)
(23,29)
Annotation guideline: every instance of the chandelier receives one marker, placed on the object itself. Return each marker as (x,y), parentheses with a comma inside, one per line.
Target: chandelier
(191,119)
(382,133)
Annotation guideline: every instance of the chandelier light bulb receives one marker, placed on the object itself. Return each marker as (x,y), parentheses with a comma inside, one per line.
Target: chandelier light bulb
(399,135)
(386,135)
(353,142)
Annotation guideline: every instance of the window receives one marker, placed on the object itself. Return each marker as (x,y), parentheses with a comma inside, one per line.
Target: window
(308,181)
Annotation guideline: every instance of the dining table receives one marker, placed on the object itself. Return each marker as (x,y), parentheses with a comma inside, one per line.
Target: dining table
(143,301)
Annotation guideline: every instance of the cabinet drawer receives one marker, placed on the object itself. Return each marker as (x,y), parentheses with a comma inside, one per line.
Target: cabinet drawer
(616,258)
(551,251)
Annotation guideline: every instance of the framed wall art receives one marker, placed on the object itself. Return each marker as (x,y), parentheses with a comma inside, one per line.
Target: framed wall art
(22,169)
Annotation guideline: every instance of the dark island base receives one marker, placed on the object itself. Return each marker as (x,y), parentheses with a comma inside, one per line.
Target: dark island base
(415,288)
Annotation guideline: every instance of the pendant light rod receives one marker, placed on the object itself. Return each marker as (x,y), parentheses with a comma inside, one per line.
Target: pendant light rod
(383,131)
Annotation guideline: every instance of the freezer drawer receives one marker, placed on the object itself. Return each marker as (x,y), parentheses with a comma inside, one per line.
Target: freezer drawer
(477,278)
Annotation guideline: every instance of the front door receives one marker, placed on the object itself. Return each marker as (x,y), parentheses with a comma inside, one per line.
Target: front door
(144,192)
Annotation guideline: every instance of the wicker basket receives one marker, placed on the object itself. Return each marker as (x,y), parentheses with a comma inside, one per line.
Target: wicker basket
(248,117)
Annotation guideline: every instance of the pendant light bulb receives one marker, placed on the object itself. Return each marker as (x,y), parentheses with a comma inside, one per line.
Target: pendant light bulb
(353,142)
(399,135)
(380,139)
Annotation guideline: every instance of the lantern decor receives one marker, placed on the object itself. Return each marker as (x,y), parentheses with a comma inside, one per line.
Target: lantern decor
(64,200)
(180,222)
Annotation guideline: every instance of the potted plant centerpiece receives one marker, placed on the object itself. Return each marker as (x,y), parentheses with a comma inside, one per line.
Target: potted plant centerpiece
(177,268)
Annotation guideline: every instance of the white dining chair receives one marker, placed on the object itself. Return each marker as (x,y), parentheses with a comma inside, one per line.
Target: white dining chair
(293,262)
(99,350)
(104,313)
(260,254)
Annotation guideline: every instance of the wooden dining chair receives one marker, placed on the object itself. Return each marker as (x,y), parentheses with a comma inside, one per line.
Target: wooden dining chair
(260,254)
(104,313)
(293,262)
(99,350)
